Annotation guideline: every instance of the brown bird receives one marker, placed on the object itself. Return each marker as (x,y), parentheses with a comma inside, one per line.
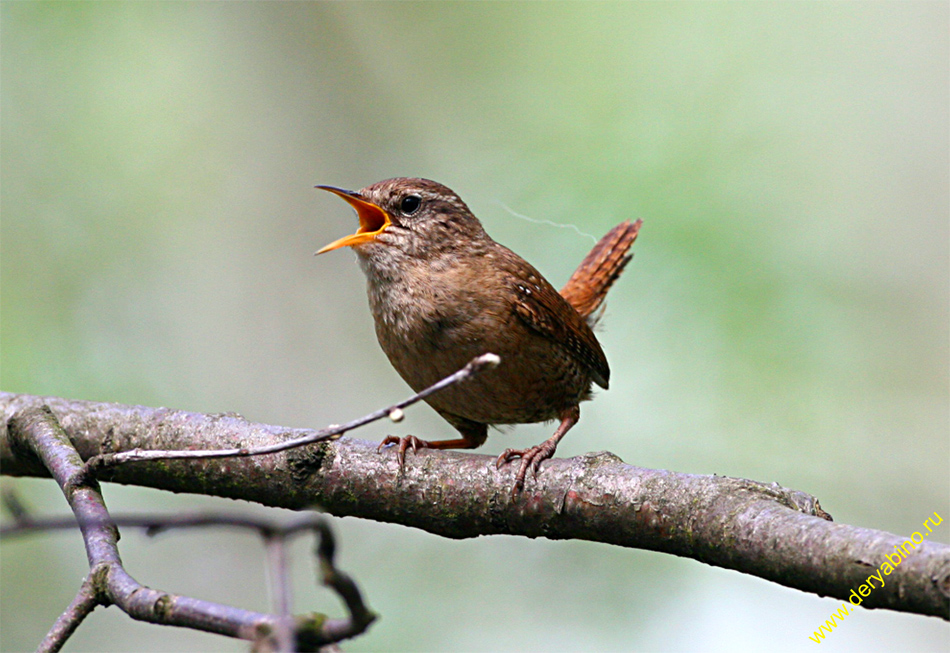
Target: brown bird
(443,292)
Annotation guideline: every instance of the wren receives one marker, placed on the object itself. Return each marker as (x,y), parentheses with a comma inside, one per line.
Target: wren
(443,292)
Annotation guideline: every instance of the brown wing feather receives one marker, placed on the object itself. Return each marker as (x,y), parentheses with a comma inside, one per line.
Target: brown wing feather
(541,307)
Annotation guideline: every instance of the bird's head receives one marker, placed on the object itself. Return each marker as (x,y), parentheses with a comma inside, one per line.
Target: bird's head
(412,217)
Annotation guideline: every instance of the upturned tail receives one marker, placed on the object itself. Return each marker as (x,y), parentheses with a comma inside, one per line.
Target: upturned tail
(587,288)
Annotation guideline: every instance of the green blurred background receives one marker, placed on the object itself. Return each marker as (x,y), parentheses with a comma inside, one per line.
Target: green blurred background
(785,317)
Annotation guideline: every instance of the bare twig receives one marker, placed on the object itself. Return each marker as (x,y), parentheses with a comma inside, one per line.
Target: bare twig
(11,501)
(108,581)
(271,531)
(332,432)
(87,600)
(156,524)
(277,574)
(279,584)
(360,616)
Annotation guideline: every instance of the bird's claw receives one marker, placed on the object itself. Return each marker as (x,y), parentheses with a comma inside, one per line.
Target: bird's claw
(531,460)
(404,443)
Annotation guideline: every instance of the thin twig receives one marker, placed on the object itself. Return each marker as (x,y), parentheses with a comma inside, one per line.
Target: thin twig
(360,616)
(332,432)
(85,602)
(277,574)
(156,524)
(274,533)
(11,501)
(109,583)
(279,583)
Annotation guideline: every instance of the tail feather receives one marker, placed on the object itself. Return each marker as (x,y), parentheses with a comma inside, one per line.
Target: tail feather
(587,288)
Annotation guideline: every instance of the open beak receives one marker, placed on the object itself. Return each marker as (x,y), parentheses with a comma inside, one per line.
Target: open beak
(373,220)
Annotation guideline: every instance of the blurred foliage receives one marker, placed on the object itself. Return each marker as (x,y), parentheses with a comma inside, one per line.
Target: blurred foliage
(785,317)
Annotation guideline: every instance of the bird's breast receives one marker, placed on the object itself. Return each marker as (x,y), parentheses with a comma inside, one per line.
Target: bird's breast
(431,322)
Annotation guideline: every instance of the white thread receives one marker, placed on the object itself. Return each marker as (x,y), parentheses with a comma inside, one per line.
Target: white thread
(546,222)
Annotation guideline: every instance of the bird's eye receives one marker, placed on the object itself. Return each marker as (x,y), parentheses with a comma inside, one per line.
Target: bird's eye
(410,204)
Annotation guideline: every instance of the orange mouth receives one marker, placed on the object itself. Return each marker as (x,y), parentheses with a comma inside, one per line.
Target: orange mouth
(373,220)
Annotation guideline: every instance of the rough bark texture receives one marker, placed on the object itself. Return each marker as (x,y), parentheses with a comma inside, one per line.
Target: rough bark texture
(756,528)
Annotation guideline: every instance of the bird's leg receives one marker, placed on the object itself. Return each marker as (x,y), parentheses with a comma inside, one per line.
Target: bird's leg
(473,435)
(532,457)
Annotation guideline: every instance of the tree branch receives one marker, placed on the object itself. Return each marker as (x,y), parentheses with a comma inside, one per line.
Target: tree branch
(760,529)
(274,534)
(85,602)
(37,432)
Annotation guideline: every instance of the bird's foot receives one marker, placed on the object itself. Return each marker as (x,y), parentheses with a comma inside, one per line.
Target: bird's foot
(531,460)
(404,443)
